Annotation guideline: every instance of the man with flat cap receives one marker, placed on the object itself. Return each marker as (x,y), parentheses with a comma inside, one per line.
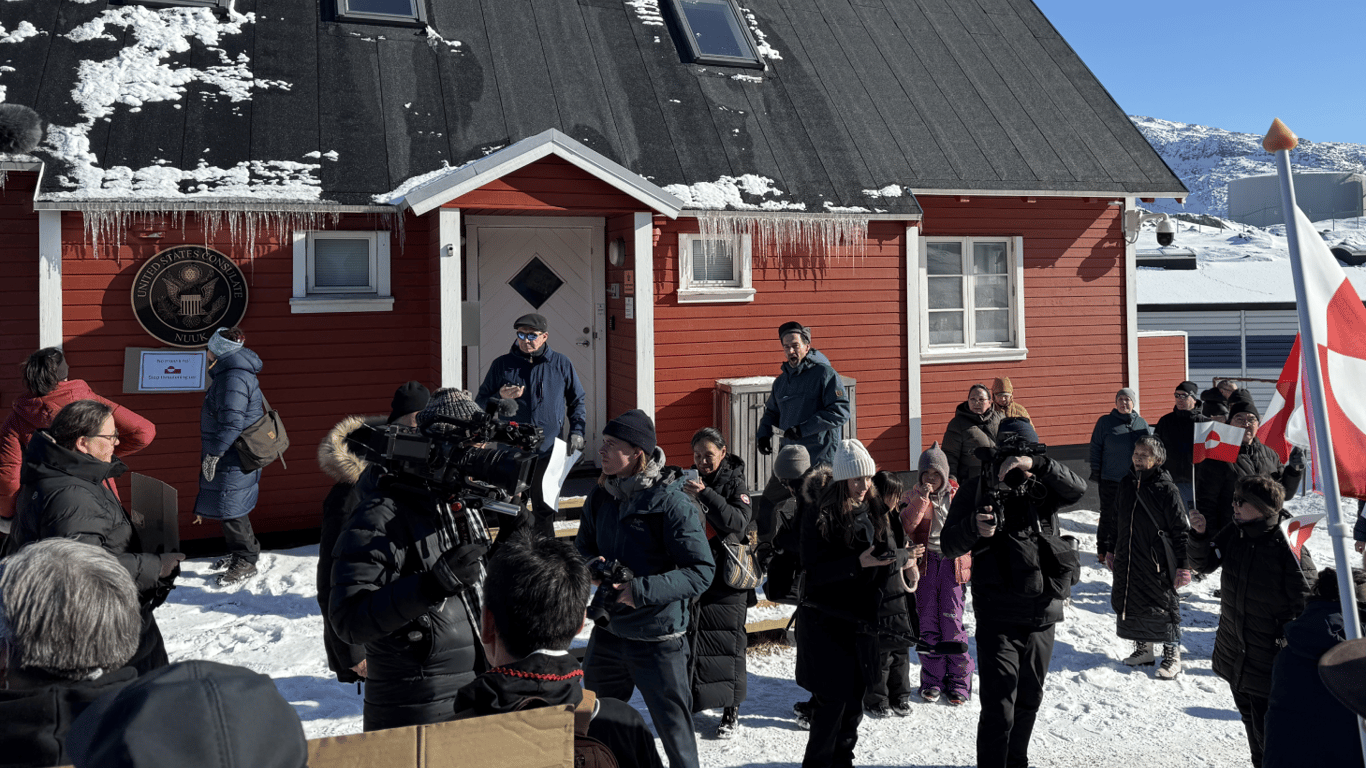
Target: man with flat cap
(808,405)
(543,384)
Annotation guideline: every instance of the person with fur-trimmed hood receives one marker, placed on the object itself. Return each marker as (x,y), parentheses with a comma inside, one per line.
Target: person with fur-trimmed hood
(637,518)
(344,462)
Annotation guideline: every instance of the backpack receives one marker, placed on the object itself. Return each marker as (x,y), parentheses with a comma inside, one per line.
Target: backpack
(263,442)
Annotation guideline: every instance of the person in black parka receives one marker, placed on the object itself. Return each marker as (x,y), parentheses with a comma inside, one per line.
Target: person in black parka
(898,621)
(406,579)
(1305,724)
(1214,480)
(973,426)
(1112,443)
(1176,429)
(716,632)
(64,493)
(1263,588)
(1147,508)
(837,640)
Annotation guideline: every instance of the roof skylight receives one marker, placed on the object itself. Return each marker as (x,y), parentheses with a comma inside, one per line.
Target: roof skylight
(715,33)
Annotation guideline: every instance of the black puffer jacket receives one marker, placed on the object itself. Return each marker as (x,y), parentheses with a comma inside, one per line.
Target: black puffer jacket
(968,431)
(716,631)
(36,720)
(420,645)
(63,495)
(996,590)
(1263,589)
(339,460)
(1305,724)
(1143,596)
(1176,430)
(1214,480)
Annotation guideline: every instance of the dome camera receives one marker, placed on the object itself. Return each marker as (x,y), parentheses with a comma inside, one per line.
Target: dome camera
(1166,231)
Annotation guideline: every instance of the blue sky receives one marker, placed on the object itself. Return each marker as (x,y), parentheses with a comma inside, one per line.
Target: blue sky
(1231,64)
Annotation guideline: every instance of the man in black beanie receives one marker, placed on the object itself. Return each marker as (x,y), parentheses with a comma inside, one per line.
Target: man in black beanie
(635,518)
(808,404)
(1214,480)
(1176,430)
(545,388)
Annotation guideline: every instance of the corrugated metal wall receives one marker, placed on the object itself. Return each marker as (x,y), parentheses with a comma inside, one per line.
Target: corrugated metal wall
(1251,343)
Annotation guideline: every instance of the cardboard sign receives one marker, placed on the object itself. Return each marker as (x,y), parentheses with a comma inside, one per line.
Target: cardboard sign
(533,738)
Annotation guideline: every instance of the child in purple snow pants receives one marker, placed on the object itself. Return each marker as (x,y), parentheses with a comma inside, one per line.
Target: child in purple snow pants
(939,598)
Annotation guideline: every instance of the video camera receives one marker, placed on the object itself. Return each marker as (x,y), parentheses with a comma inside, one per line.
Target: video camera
(452,456)
(606,574)
(1016,484)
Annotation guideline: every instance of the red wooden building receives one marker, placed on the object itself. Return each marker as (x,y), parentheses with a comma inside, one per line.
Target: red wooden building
(935,188)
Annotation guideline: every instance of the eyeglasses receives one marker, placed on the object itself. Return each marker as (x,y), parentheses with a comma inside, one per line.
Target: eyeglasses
(111,438)
(979,399)
(529,336)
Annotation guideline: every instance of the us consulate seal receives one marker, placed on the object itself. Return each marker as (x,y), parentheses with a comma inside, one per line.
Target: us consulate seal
(184,293)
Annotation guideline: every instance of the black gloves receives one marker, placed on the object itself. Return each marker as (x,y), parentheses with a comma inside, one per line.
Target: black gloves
(766,445)
(459,568)
(792,433)
(575,443)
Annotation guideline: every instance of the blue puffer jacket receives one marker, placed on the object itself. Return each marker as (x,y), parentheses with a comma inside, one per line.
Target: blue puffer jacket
(1112,443)
(658,534)
(552,387)
(811,397)
(232,403)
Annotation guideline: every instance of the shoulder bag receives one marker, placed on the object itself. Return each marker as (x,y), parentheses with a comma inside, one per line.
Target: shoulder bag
(263,442)
(741,568)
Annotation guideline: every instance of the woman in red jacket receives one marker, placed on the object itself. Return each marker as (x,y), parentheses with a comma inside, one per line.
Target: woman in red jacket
(49,390)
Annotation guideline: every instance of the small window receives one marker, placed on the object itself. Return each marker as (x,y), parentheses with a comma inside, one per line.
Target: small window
(714,269)
(715,33)
(973,300)
(401,11)
(340,271)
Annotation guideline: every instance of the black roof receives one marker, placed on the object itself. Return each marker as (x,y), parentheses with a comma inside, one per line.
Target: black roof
(951,95)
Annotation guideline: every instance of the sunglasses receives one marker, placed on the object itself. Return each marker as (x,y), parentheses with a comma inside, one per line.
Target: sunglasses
(529,336)
(1183,396)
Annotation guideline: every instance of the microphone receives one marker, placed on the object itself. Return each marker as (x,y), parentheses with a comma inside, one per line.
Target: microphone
(507,408)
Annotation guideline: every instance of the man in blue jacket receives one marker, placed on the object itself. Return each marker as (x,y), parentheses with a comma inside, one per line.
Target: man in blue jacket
(543,384)
(808,404)
(655,530)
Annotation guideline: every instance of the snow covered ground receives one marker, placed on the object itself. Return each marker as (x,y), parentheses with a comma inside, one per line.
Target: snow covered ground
(1096,712)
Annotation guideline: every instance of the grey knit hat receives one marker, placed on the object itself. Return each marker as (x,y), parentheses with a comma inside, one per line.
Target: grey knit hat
(852,460)
(449,403)
(791,462)
(935,458)
(1126,391)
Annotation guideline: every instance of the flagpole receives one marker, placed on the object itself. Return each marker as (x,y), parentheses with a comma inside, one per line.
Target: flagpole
(1280,140)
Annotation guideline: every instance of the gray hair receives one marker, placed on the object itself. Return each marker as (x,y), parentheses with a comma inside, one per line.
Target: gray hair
(68,609)
(1155,445)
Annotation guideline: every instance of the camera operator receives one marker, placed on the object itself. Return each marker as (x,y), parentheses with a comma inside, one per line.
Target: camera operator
(1020,577)
(406,583)
(634,524)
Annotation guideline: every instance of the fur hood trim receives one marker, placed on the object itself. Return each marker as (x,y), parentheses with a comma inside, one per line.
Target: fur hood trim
(336,458)
(816,481)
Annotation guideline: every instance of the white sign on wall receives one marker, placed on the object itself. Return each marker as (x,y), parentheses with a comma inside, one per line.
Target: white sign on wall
(630,308)
(171,371)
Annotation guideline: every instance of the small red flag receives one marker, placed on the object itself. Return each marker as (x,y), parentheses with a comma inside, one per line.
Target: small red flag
(1214,440)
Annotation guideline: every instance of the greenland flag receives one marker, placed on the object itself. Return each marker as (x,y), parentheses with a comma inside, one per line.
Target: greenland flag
(1339,324)
(1214,440)
(1298,529)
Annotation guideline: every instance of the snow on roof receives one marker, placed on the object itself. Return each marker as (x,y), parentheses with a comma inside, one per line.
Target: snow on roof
(1238,265)
(141,73)
(729,191)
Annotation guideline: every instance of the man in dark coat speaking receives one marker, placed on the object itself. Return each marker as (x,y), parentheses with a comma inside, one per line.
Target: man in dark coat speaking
(543,384)
(808,404)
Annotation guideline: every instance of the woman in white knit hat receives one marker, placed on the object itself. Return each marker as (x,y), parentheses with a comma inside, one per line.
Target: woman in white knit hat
(848,553)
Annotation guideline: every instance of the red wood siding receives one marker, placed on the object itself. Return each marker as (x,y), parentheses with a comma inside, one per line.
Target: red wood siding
(1161,366)
(854,304)
(621,340)
(1074,312)
(547,186)
(19,288)
(318,368)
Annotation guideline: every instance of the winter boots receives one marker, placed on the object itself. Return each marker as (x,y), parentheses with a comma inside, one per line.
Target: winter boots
(1142,655)
(802,710)
(1171,662)
(239,570)
(730,723)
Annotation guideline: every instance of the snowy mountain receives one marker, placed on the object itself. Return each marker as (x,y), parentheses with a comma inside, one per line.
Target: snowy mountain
(1206,159)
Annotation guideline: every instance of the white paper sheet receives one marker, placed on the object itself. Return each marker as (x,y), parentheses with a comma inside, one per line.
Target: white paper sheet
(557,470)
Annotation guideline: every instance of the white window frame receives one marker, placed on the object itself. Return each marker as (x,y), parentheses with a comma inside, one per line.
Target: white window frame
(418,16)
(740,290)
(373,298)
(968,351)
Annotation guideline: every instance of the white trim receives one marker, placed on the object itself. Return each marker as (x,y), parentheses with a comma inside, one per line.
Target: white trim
(716,295)
(1003,355)
(1131,374)
(449,256)
(1017,350)
(1145,334)
(471,176)
(914,420)
(300,264)
(49,279)
(645,312)
(373,258)
(309,305)
(375,297)
(741,289)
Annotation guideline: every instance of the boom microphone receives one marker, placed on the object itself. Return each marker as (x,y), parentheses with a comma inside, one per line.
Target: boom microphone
(504,408)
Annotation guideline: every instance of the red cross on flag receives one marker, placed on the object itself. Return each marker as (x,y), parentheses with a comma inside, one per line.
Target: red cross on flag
(1214,440)
(1339,325)
(1297,531)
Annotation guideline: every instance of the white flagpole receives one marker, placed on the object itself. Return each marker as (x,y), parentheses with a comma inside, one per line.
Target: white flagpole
(1280,140)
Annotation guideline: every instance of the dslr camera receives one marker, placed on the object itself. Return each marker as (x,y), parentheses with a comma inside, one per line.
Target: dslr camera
(606,573)
(1016,484)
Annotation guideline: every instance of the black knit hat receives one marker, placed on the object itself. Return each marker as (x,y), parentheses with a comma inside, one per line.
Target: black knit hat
(534,321)
(1214,408)
(409,398)
(792,326)
(1190,388)
(1019,426)
(1239,405)
(635,427)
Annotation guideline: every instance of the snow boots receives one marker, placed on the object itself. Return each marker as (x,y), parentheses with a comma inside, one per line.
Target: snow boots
(1171,662)
(1142,655)
(239,570)
(730,723)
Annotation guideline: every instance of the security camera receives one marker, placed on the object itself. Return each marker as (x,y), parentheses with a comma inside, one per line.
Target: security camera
(1166,231)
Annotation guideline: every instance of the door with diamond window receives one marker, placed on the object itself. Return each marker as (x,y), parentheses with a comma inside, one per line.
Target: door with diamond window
(549,267)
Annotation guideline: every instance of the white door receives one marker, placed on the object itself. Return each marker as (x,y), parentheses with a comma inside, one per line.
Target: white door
(551,268)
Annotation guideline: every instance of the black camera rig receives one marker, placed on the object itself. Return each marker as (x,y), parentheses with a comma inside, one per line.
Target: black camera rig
(997,491)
